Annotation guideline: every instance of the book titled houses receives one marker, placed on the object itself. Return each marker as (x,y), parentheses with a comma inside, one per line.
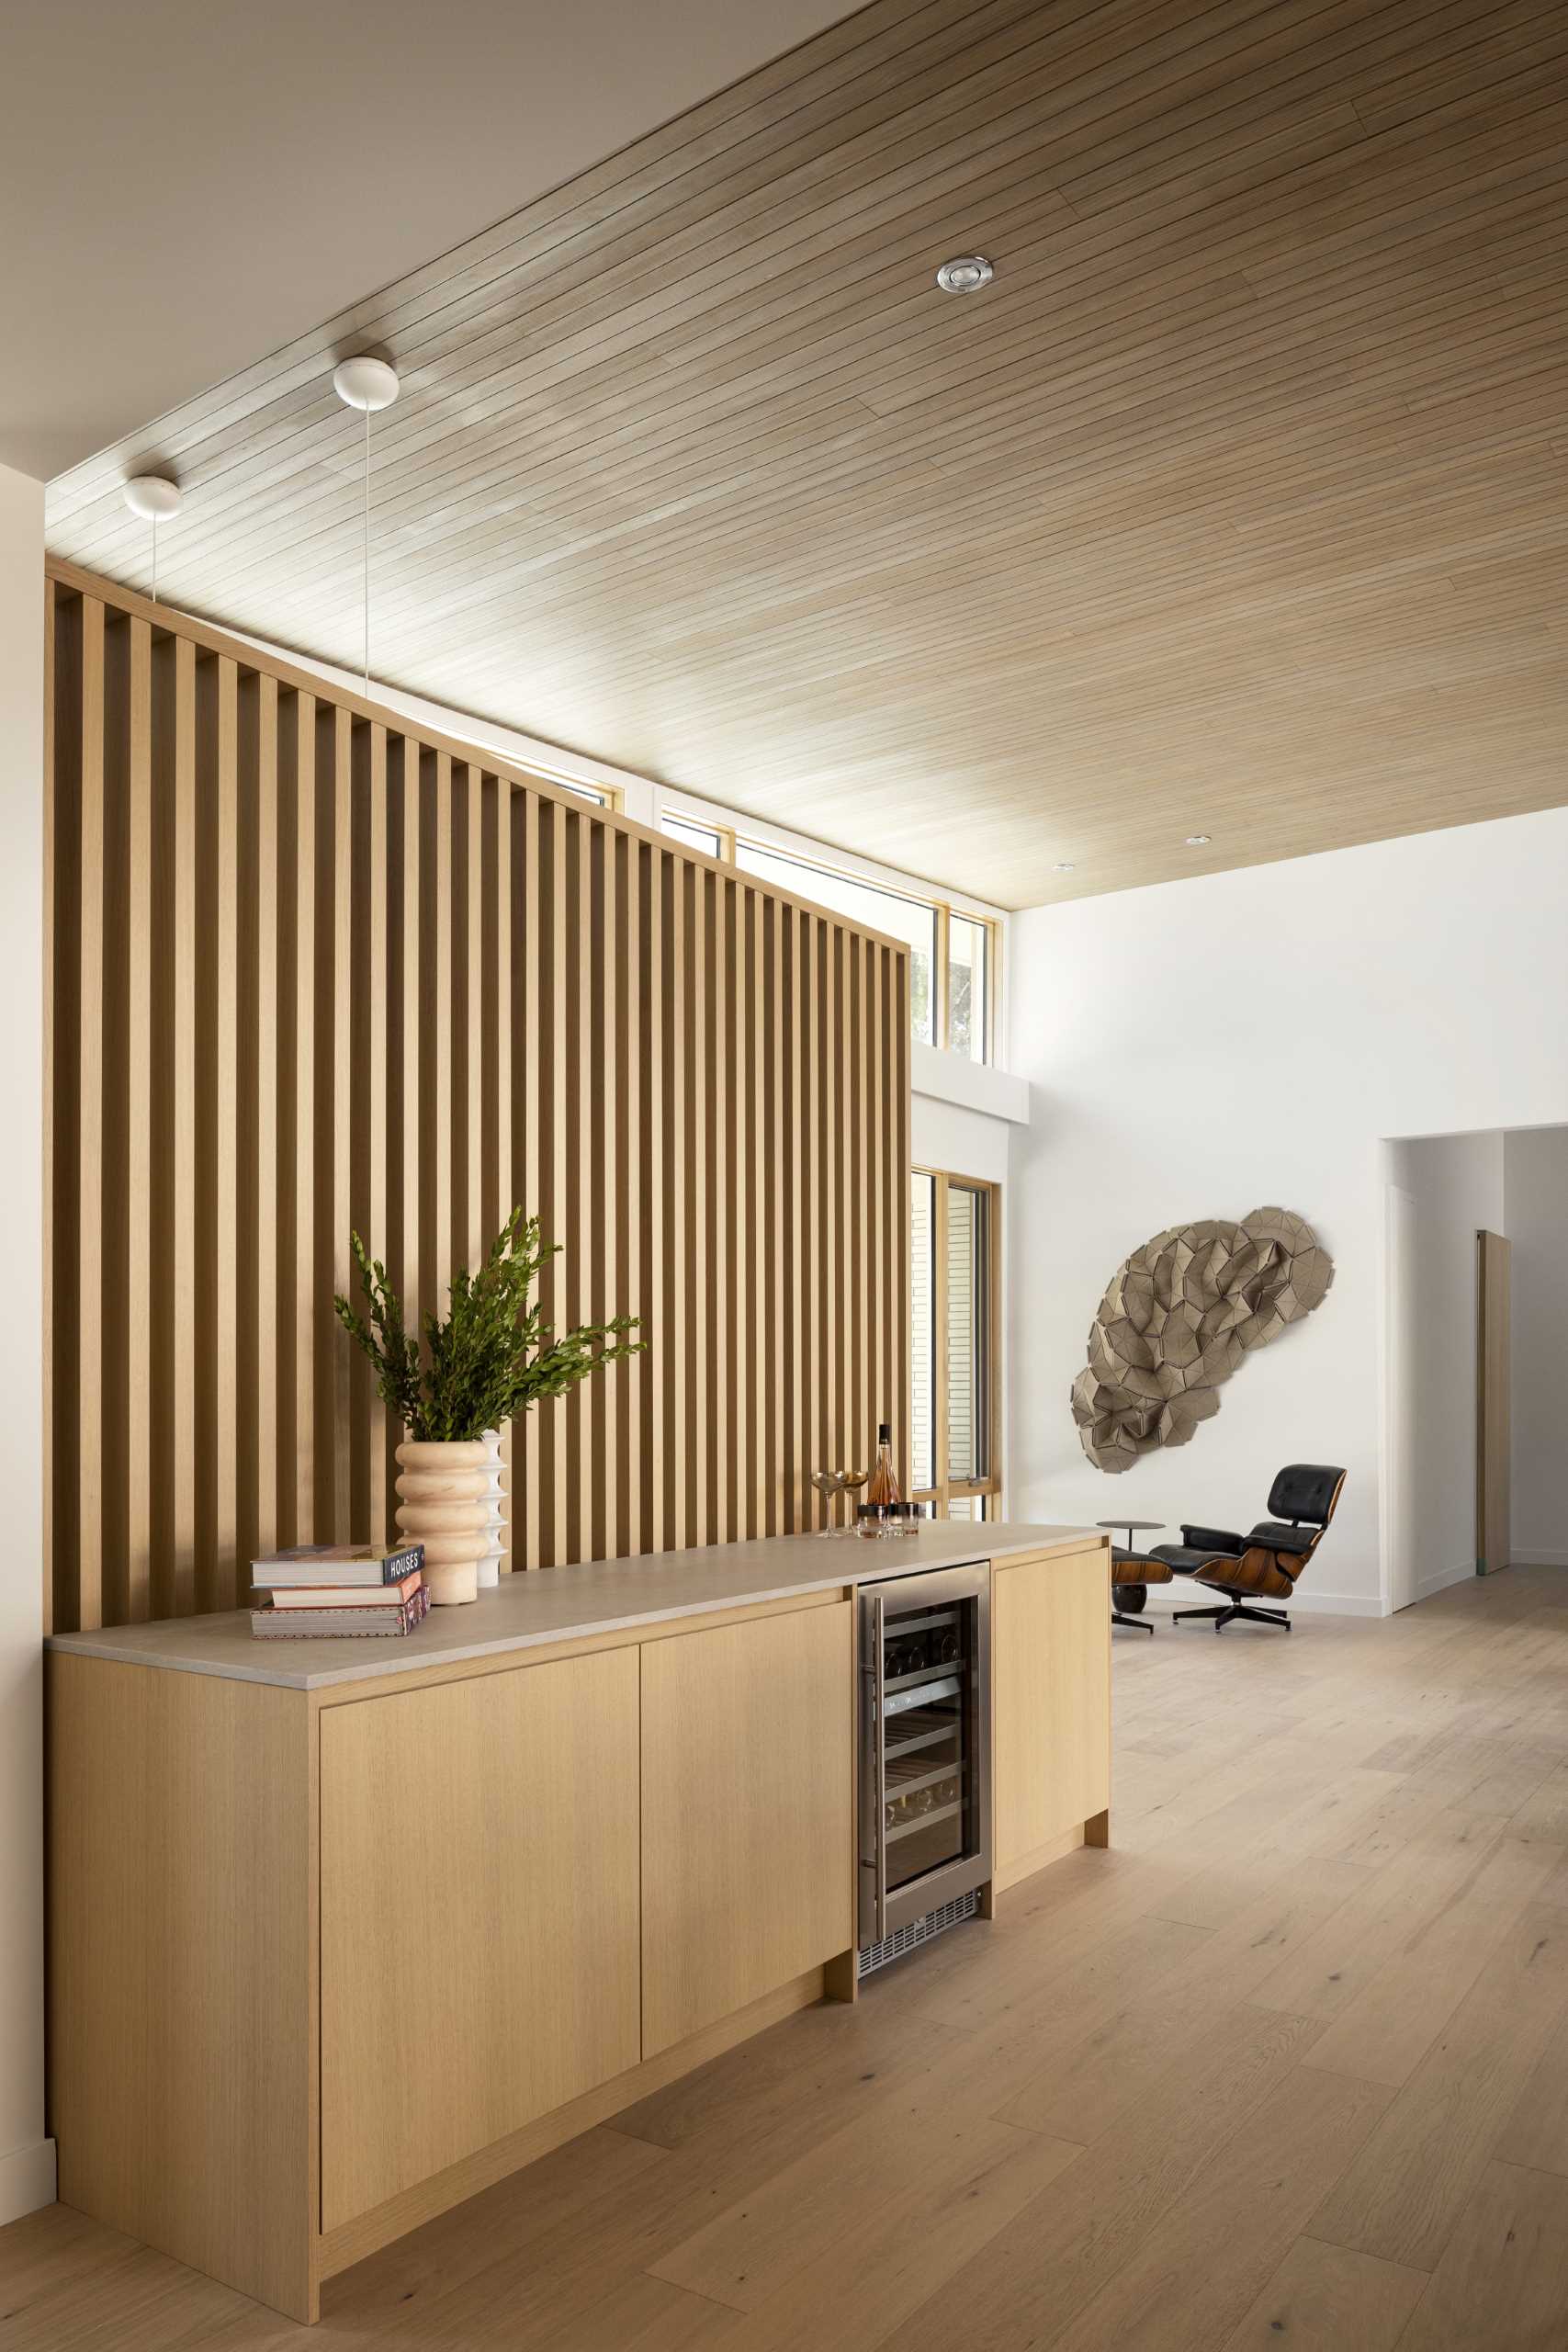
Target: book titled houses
(314,1590)
(341,1564)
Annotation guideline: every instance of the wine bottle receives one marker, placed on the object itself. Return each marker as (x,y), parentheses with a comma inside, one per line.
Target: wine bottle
(882,1486)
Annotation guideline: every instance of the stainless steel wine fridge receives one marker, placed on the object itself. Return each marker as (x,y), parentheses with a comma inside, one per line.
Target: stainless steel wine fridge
(925,1797)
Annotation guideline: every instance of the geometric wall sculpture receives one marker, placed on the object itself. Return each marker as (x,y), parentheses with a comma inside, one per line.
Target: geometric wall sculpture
(1177,1318)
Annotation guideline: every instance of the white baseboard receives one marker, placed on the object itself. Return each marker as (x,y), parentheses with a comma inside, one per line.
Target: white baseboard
(1186,1594)
(1538,1559)
(1339,1604)
(1440,1579)
(26,2181)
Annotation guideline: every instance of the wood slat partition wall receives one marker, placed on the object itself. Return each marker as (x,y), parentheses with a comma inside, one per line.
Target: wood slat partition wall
(310,968)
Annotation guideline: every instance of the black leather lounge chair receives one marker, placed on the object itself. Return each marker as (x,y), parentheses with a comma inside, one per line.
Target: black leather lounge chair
(1263,1566)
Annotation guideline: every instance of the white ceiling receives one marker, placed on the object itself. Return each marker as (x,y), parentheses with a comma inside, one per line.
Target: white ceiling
(189,184)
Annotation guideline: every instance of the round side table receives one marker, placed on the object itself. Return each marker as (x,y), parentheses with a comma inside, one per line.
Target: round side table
(1136,1595)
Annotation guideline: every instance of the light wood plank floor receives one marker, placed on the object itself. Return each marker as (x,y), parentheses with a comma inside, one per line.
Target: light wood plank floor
(1289,2064)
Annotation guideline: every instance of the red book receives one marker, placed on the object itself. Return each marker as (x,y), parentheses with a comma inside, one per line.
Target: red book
(347,1596)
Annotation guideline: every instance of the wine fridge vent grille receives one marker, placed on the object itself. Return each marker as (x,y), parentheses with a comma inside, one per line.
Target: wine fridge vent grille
(917,1931)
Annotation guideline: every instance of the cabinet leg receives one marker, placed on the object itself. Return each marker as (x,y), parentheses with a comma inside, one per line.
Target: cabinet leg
(1096,1828)
(986,1906)
(842,1976)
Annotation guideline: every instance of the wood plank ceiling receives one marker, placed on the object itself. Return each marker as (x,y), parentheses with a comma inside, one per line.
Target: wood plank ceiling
(1236,505)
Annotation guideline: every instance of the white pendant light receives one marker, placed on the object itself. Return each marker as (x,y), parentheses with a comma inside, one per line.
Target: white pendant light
(366,384)
(152,500)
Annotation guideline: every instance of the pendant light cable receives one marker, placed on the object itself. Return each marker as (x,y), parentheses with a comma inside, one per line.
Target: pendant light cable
(152,499)
(366,554)
(365,383)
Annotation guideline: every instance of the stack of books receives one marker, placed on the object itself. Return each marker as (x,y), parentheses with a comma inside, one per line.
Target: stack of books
(318,1588)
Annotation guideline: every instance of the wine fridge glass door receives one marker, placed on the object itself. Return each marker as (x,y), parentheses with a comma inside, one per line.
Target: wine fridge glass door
(925,1817)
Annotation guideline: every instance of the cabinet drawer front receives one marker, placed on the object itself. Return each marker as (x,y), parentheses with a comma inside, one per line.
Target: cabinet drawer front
(747,1814)
(479,1916)
(1051,1673)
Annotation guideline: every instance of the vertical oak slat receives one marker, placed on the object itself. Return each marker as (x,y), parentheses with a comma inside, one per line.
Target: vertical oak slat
(742,1290)
(404,1143)
(576,1228)
(699,1207)
(796,1282)
(677,1289)
(265,1435)
(50,1214)
(300,765)
(139,1133)
(467,1022)
(777,1214)
(222,1266)
(182,1598)
(90,1125)
(762,1317)
(436,1034)
(723,1210)
(338,1363)
(879,1403)
(861,1436)
(554,1014)
(372,981)
(628,1186)
(843,1453)
(528,1520)
(656,1110)
(500,1200)
(606,1206)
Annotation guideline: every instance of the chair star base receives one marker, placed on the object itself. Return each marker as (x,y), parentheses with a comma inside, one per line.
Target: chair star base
(1226,1612)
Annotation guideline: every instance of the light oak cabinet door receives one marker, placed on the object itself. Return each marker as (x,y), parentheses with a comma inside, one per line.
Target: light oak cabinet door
(747,1814)
(1051,1679)
(480,1902)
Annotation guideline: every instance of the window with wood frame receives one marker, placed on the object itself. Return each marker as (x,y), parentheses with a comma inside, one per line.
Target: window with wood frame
(954,1227)
(954,955)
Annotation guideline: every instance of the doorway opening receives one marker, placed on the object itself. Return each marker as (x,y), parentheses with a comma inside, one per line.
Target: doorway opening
(1474,1370)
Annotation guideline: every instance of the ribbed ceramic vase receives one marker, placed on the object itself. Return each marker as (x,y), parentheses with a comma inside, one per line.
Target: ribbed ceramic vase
(444,1503)
(490,1567)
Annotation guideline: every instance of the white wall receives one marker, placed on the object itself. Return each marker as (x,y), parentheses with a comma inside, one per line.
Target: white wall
(1457,1185)
(1536,1193)
(1202,1047)
(26,2158)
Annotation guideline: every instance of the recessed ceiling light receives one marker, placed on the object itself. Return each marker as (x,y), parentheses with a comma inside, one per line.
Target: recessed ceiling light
(1197,841)
(1064,867)
(966,274)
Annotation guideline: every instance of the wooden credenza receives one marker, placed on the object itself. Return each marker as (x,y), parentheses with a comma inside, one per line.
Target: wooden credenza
(326,1961)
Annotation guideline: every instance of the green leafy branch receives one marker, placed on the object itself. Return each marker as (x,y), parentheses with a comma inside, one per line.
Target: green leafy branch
(494,1353)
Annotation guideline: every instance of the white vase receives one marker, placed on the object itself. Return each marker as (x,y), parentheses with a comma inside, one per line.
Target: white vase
(444,1489)
(490,1567)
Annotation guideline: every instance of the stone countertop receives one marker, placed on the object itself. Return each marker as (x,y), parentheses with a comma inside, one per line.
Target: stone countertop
(547,1605)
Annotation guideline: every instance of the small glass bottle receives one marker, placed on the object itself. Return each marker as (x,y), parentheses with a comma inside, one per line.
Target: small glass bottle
(882,1486)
